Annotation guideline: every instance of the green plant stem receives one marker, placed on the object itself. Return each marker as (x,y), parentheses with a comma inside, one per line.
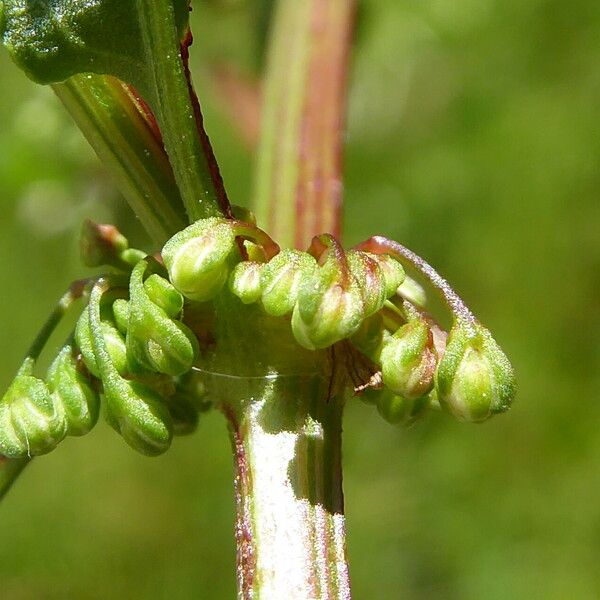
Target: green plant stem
(290,524)
(284,411)
(128,147)
(298,189)
(192,159)
(10,469)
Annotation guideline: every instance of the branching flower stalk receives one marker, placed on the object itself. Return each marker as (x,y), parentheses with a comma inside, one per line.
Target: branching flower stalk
(222,313)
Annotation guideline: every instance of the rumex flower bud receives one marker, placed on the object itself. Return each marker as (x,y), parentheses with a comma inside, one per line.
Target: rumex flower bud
(474,379)
(120,309)
(197,258)
(408,360)
(69,385)
(106,245)
(164,295)
(401,411)
(114,340)
(155,341)
(244,281)
(393,273)
(281,279)
(330,307)
(32,421)
(369,276)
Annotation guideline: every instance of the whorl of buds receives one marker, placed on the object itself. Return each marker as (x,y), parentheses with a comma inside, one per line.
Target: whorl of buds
(70,385)
(32,420)
(155,340)
(197,258)
(408,360)
(474,379)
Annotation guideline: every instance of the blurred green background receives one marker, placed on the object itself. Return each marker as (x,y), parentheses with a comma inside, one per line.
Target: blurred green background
(474,138)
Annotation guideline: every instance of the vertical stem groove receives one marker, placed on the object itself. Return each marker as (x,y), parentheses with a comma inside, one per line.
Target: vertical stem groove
(298,188)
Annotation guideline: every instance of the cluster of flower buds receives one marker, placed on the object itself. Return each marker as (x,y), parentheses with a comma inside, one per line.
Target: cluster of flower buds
(463,372)
(363,294)
(132,352)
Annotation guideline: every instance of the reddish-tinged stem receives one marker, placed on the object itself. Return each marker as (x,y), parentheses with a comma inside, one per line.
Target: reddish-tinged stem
(319,190)
(299,174)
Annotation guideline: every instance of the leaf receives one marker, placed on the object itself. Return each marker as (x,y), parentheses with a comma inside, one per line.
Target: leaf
(137,41)
(54,39)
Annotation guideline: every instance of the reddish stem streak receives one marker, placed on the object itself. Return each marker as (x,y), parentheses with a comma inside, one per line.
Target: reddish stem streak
(246,559)
(319,187)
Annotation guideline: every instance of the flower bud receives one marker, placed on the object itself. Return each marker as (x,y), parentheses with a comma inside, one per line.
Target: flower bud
(244,281)
(330,307)
(370,279)
(401,411)
(71,388)
(164,295)
(106,245)
(281,279)
(408,360)
(156,342)
(114,340)
(393,273)
(197,258)
(139,415)
(474,379)
(32,421)
(120,310)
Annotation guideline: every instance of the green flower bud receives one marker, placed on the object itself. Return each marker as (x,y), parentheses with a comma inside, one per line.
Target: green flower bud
(164,295)
(197,258)
(120,309)
(139,415)
(32,421)
(474,379)
(106,245)
(281,279)
(408,360)
(69,385)
(401,411)
(393,273)
(114,340)
(133,409)
(155,341)
(370,279)
(244,281)
(330,307)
